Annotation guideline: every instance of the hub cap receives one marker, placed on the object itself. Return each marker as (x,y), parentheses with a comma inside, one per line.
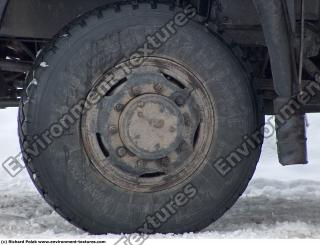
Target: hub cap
(149,126)
(152,129)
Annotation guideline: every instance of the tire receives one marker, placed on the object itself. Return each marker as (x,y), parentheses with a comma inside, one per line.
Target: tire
(64,172)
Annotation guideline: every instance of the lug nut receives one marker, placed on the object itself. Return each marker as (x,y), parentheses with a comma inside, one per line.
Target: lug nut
(179,101)
(141,104)
(113,129)
(121,151)
(140,164)
(158,87)
(136,91)
(119,107)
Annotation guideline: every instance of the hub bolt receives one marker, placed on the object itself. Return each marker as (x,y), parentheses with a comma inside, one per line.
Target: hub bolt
(140,164)
(179,101)
(141,104)
(113,129)
(121,151)
(135,91)
(119,107)
(158,87)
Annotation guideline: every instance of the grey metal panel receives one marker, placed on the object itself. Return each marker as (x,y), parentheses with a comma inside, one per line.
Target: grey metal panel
(43,18)
(3,4)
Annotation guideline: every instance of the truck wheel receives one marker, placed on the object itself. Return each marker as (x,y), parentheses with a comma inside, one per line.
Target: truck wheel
(127,117)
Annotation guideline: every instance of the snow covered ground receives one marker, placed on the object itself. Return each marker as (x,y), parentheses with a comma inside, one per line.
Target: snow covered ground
(279,203)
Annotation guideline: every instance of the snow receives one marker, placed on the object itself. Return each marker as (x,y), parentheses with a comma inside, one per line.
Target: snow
(280,202)
(268,209)
(44,64)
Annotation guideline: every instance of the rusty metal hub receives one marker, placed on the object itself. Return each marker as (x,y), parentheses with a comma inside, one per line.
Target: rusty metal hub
(152,128)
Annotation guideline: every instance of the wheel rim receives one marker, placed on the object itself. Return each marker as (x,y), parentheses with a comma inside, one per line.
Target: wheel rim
(153,128)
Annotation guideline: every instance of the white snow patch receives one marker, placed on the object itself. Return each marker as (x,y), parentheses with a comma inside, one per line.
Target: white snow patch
(44,64)
(33,82)
(268,209)
(39,52)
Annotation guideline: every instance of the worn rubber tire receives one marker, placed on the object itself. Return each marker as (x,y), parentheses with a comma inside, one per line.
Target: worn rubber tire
(63,173)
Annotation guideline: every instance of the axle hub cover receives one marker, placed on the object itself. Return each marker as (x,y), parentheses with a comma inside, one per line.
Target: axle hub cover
(150,126)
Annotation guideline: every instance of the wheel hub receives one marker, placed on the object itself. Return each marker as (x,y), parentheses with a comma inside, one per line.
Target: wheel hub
(149,126)
(152,128)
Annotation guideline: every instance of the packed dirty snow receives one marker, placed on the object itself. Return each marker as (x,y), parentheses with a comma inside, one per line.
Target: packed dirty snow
(279,202)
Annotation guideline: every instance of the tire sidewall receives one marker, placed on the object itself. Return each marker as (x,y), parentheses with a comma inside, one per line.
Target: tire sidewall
(64,170)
